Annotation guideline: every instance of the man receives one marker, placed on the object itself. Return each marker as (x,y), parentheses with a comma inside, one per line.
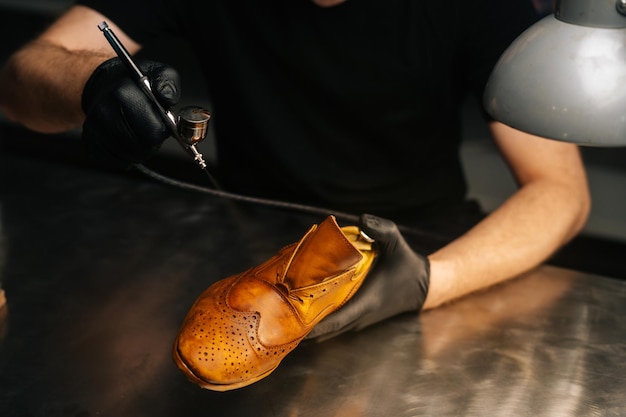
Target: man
(351,105)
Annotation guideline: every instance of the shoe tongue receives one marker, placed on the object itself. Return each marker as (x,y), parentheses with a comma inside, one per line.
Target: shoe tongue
(324,252)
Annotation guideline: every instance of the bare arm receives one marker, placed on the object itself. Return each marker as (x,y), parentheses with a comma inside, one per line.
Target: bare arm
(550,207)
(41,84)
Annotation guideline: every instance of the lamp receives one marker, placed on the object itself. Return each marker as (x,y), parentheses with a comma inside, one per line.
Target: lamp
(565,77)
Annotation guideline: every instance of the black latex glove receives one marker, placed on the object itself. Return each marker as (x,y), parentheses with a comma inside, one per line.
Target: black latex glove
(122,126)
(398,282)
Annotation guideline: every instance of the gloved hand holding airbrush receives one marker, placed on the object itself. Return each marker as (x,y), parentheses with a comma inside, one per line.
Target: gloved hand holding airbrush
(123,126)
(127,122)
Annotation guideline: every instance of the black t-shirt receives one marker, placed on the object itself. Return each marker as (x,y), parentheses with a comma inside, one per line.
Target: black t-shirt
(353,107)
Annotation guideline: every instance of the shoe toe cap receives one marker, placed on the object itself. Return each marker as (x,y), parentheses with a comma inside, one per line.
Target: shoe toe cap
(220,345)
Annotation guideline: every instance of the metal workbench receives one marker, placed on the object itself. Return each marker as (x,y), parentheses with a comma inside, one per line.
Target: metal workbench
(100,268)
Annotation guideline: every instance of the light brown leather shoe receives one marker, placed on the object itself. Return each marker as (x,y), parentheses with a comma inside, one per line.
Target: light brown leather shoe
(241,327)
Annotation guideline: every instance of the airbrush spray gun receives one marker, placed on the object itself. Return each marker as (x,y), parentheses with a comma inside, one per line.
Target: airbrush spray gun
(189,127)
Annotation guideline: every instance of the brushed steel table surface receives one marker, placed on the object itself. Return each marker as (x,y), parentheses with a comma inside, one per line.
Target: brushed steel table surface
(100,269)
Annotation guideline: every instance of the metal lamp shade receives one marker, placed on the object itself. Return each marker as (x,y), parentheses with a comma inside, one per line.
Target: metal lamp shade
(563,81)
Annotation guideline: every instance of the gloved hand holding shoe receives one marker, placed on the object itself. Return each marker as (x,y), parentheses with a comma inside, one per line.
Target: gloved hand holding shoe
(397,283)
(122,126)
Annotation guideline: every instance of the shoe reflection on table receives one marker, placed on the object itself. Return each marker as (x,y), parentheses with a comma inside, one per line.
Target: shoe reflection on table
(4,312)
(4,309)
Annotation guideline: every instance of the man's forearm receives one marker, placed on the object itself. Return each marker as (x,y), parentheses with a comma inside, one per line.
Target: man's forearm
(522,233)
(41,86)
